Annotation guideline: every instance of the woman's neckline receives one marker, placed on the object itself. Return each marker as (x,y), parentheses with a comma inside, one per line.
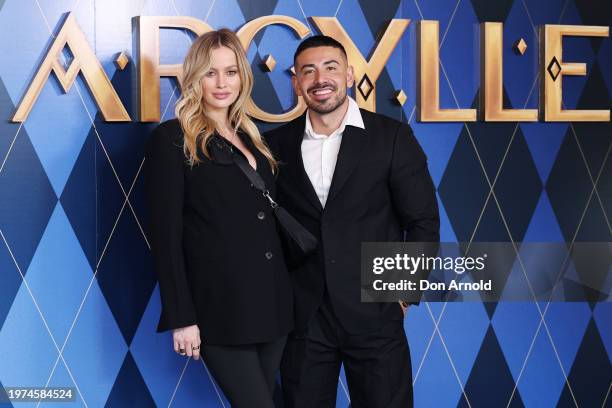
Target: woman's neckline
(247,144)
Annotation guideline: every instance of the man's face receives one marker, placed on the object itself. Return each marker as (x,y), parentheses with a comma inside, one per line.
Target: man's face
(322,77)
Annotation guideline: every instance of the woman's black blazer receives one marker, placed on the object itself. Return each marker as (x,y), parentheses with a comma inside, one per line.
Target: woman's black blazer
(215,243)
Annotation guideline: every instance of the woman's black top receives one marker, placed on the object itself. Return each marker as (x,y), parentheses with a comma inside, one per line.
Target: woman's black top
(215,243)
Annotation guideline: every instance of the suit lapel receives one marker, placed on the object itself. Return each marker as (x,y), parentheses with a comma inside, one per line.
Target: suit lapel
(351,148)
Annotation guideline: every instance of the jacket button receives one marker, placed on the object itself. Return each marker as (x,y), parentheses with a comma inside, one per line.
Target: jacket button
(269,255)
(261,215)
(333,261)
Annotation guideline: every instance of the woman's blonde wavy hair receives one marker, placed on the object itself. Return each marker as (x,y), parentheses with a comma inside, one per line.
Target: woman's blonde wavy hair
(190,110)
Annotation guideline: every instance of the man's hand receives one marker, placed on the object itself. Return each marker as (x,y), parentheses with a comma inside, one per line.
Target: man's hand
(187,341)
(404,308)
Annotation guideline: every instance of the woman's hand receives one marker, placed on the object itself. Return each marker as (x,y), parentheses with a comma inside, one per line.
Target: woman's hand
(187,341)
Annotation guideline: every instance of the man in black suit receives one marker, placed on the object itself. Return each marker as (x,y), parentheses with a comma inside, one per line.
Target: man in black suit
(349,176)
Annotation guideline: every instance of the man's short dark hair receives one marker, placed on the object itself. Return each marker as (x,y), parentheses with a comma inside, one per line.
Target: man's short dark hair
(317,41)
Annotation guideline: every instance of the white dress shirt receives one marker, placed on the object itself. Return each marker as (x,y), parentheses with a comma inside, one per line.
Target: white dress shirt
(320,152)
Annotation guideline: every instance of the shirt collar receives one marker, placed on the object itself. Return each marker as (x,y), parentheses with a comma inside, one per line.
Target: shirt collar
(351,118)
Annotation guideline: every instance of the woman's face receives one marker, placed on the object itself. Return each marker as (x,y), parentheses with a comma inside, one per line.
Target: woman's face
(221,84)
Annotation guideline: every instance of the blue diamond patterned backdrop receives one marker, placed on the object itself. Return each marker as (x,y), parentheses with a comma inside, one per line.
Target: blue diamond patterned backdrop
(79,302)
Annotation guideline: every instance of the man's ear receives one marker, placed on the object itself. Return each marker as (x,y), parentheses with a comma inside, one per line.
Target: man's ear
(350,76)
(294,84)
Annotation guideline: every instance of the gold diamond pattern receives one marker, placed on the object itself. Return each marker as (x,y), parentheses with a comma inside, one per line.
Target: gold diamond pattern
(400,97)
(269,63)
(554,68)
(365,87)
(520,46)
(121,61)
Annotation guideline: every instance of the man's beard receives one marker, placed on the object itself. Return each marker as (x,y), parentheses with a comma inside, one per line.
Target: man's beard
(322,109)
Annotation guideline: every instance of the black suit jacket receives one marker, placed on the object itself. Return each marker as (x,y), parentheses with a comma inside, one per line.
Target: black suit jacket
(380,189)
(215,244)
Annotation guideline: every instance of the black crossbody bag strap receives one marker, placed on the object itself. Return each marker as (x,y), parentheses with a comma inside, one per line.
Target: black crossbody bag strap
(300,236)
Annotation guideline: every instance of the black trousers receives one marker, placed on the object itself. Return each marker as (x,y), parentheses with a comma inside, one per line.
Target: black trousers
(377,365)
(246,373)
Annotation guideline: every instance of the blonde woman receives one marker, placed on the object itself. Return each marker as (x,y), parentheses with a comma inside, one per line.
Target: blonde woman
(224,286)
